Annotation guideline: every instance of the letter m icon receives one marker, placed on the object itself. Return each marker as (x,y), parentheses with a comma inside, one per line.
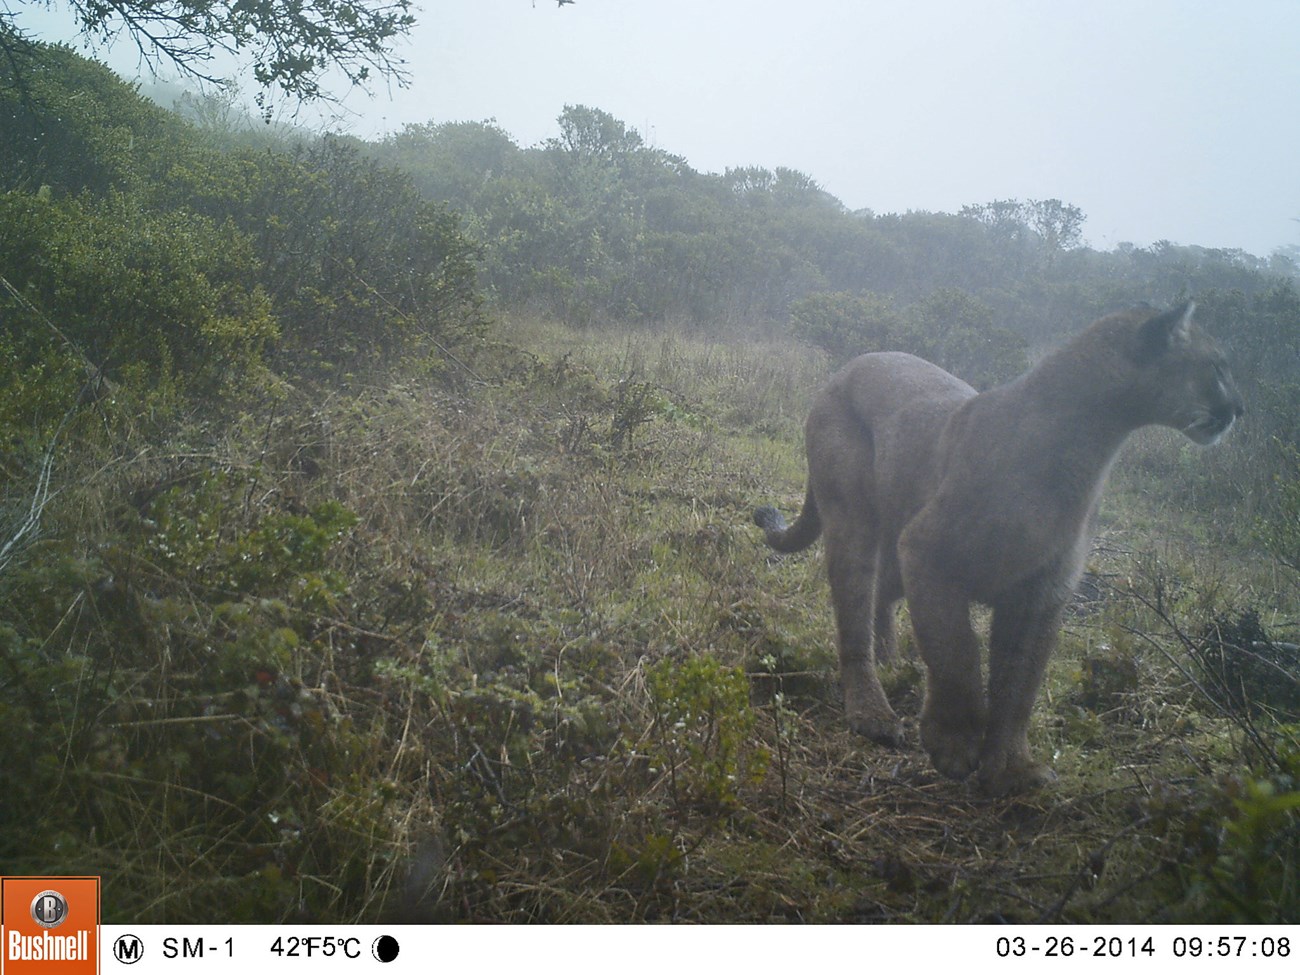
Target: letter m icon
(128,949)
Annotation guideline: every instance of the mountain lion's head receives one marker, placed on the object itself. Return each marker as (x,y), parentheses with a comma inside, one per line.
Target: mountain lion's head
(1190,385)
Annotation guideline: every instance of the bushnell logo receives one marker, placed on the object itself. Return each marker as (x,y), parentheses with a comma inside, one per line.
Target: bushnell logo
(49,908)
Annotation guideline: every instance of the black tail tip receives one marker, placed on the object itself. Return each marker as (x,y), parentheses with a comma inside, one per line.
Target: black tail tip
(769,519)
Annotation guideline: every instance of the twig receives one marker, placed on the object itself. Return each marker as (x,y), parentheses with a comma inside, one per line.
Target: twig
(1241,720)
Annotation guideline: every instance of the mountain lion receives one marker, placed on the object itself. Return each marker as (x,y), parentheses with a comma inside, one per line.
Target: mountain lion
(929,490)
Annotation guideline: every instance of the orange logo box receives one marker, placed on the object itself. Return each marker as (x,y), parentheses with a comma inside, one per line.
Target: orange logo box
(50,925)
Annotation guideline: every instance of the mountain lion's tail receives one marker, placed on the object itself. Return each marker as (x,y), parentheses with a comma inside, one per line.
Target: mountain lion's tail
(790,538)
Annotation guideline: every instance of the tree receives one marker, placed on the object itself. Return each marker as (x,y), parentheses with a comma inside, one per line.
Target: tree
(292,44)
(451,161)
(1058,226)
(590,134)
(1006,219)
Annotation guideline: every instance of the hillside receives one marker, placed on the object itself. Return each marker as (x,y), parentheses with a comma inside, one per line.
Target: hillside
(375,541)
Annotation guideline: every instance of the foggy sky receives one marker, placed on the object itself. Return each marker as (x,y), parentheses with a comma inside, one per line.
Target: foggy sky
(1161,119)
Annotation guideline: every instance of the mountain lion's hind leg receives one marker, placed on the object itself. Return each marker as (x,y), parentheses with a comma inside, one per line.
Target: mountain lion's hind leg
(889,590)
(851,563)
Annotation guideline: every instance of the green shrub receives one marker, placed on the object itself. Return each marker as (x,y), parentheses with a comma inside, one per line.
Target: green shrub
(844,325)
(70,124)
(204,531)
(703,726)
(958,332)
(1279,529)
(360,267)
(157,301)
(1239,843)
(169,677)
(948,327)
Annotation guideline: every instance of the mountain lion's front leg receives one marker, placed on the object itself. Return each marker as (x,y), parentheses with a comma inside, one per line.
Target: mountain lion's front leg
(1023,636)
(953,718)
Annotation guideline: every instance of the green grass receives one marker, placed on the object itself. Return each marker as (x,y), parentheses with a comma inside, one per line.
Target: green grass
(512,650)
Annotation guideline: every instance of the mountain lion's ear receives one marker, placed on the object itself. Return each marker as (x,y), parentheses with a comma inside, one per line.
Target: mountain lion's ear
(1165,331)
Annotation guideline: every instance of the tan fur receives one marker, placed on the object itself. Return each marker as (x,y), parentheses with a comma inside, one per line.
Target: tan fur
(927,489)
